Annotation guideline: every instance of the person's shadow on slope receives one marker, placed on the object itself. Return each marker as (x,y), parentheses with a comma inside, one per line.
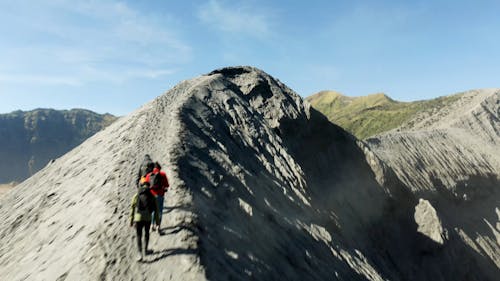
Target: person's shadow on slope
(169,252)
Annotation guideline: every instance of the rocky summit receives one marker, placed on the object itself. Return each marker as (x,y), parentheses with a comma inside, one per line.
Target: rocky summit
(263,187)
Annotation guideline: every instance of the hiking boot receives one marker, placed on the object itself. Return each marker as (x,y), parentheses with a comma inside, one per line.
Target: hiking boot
(148,252)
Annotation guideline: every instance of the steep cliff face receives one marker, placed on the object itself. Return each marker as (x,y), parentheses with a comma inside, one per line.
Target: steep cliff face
(29,140)
(262,187)
(451,158)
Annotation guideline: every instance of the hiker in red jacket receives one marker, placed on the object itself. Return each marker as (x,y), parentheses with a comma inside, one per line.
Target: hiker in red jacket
(158,185)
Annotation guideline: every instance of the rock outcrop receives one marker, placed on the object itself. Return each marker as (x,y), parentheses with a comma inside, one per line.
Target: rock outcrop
(428,222)
(262,187)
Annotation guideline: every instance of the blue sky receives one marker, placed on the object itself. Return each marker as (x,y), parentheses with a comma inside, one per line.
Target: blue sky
(113,56)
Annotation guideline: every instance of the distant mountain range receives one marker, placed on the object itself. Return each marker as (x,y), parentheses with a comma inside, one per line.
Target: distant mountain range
(373,114)
(30,139)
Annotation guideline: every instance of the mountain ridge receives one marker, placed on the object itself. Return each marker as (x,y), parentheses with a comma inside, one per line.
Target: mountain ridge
(369,115)
(30,139)
(262,187)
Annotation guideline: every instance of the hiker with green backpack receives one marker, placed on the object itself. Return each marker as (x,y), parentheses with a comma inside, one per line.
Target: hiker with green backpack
(143,205)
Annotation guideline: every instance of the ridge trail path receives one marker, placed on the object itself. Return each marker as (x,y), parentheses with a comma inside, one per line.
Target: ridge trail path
(176,246)
(262,187)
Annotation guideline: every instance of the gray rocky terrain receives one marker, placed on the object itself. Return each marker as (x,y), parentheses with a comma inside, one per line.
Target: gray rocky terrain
(263,187)
(450,159)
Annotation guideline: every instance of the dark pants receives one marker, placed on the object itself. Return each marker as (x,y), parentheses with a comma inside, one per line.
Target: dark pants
(159,201)
(138,227)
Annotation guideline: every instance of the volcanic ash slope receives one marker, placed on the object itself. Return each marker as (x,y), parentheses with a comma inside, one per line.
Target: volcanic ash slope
(451,159)
(279,191)
(70,220)
(262,188)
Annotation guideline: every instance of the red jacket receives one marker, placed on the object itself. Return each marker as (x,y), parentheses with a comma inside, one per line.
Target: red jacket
(160,191)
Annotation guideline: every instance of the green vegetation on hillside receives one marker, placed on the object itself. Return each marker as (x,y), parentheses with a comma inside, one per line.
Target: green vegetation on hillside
(373,114)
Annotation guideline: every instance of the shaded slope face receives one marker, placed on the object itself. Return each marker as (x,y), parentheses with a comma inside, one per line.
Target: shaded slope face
(273,204)
(262,187)
(373,114)
(451,158)
(281,193)
(29,140)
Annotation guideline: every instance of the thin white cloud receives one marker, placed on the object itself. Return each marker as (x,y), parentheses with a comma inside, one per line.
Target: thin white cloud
(87,41)
(242,20)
